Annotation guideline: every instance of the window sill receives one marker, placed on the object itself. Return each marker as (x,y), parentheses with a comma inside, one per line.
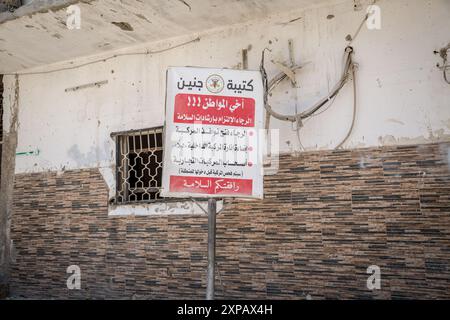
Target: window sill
(161,208)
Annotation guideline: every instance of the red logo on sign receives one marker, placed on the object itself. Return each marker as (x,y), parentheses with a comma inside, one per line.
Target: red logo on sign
(214,110)
(208,185)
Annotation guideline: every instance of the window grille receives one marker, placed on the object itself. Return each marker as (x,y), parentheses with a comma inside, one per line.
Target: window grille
(139,157)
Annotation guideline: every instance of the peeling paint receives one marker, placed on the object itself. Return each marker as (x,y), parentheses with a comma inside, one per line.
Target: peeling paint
(436,136)
(95,155)
(123,25)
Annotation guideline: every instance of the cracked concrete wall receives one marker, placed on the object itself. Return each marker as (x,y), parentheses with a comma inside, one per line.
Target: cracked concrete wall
(10,125)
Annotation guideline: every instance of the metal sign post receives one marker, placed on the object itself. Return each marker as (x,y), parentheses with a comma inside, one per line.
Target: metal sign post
(213,122)
(211,276)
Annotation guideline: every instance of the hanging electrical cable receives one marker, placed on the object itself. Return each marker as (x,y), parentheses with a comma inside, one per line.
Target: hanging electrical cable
(348,72)
(268,87)
(349,132)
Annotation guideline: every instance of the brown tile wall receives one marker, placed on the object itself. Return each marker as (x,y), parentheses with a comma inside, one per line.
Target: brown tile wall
(1,121)
(325,218)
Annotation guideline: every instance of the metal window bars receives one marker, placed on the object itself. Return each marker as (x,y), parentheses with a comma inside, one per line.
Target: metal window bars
(139,157)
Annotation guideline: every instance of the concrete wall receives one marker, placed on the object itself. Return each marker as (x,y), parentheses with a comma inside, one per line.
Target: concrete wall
(402,98)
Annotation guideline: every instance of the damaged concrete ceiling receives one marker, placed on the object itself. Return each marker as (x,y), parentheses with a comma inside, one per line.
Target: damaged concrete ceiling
(39,35)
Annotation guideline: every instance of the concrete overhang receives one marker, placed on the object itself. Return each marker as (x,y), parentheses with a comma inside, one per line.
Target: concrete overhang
(37,34)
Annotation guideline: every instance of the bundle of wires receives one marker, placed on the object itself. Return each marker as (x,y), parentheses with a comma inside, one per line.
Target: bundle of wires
(347,73)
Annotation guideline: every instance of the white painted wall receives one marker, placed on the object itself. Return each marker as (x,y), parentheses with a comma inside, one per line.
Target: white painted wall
(402,97)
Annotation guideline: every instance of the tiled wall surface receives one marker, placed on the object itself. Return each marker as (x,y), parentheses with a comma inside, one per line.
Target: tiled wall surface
(1,121)
(325,218)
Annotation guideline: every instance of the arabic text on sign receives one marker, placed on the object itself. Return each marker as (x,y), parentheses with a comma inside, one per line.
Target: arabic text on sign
(217,110)
(207,185)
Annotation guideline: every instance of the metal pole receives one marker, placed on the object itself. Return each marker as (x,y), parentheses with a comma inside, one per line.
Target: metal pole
(211,249)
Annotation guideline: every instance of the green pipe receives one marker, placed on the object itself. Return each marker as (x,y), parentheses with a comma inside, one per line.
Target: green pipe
(28,153)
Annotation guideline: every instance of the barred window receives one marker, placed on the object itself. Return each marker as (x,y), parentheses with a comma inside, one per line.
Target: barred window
(139,157)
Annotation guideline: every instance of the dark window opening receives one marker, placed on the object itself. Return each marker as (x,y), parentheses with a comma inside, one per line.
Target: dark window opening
(139,158)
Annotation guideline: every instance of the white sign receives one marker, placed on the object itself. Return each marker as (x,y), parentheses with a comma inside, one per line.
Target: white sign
(212,133)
